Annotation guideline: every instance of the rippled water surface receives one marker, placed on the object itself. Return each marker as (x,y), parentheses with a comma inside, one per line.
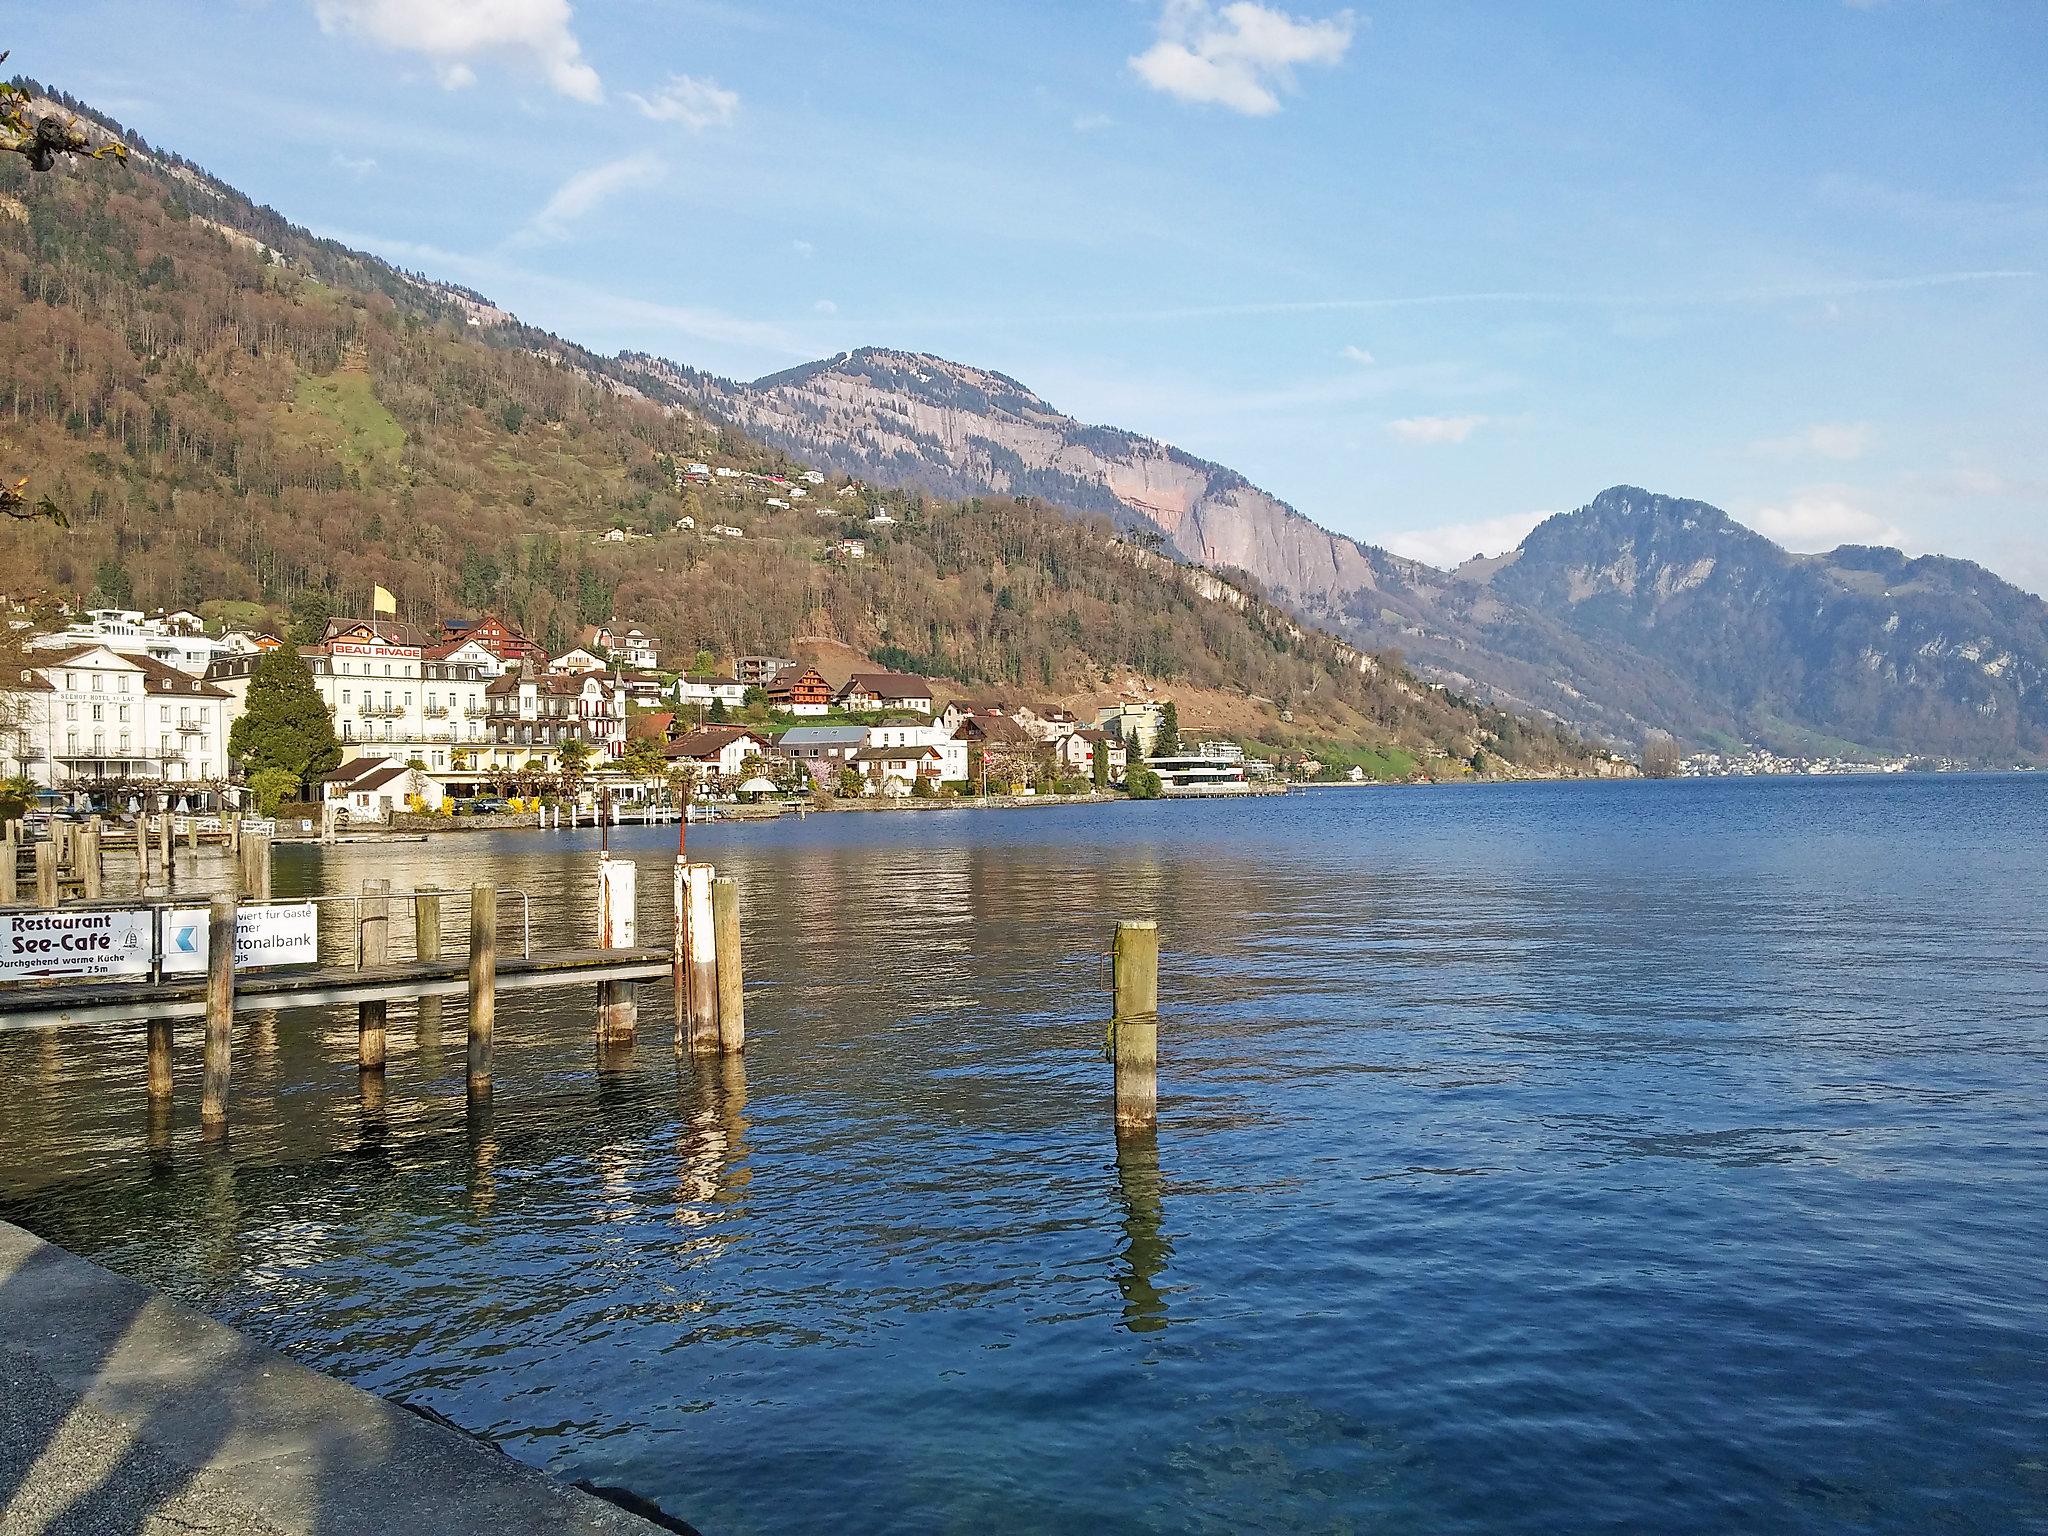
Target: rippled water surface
(1530,1159)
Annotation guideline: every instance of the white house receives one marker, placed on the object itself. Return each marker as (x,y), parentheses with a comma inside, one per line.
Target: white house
(176,639)
(634,647)
(722,750)
(577,660)
(704,691)
(812,477)
(371,788)
(885,690)
(951,755)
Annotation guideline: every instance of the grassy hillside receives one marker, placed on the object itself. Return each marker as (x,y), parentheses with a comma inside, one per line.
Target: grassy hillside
(233,410)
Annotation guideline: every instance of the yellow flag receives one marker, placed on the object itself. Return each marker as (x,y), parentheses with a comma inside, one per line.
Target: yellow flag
(383,602)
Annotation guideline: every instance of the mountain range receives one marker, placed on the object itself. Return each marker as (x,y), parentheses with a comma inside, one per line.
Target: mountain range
(1636,614)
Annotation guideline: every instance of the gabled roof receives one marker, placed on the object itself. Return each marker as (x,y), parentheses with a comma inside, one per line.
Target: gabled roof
(999,730)
(894,754)
(887,685)
(386,631)
(824,736)
(161,679)
(710,740)
(353,769)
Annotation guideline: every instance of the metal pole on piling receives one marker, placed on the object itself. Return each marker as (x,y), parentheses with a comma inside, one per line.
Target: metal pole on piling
(725,923)
(483,985)
(1134,1025)
(702,986)
(220,1015)
(373,948)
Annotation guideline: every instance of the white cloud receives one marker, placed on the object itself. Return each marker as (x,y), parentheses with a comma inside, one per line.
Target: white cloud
(803,248)
(452,33)
(1452,544)
(584,192)
(826,307)
(696,104)
(357,166)
(1828,440)
(1821,518)
(1356,355)
(1093,122)
(1241,55)
(1435,429)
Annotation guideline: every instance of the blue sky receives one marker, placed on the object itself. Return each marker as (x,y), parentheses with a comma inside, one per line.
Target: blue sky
(1426,269)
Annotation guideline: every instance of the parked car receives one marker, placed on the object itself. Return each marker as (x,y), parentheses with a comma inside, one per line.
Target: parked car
(482,805)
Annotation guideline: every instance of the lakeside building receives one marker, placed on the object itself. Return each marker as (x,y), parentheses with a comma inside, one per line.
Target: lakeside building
(89,716)
(372,788)
(949,750)
(822,750)
(1211,768)
(895,771)
(532,713)
(719,750)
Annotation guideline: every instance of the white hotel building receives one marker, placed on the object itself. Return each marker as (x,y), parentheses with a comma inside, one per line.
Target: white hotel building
(89,715)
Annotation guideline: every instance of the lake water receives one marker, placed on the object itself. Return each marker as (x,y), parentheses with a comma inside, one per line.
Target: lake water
(1623,1157)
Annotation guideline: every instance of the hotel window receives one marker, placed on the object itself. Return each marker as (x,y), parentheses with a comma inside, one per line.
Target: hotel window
(71,743)
(124,714)
(164,713)
(124,743)
(344,695)
(71,711)
(408,698)
(348,730)
(99,711)
(98,682)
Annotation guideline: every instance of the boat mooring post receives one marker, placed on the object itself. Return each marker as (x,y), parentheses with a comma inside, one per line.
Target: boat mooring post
(373,948)
(1134,1024)
(483,986)
(46,874)
(702,987)
(725,923)
(618,1003)
(220,1016)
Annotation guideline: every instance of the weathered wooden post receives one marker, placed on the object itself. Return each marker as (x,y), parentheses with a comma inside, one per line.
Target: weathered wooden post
(90,867)
(725,923)
(46,874)
(1134,1025)
(426,925)
(259,868)
(163,845)
(159,1057)
(9,864)
(618,1006)
(483,985)
(234,826)
(220,1016)
(373,948)
(702,982)
(192,833)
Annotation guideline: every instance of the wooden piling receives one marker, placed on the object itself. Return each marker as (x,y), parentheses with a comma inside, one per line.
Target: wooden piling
(159,1057)
(46,874)
(220,1015)
(373,948)
(91,868)
(483,985)
(164,851)
(192,833)
(701,990)
(426,926)
(234,826)
(1134,1025)
(618,1006)
(10,866)
(725,924)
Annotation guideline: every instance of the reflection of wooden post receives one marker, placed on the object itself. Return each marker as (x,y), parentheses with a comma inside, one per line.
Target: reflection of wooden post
(618,1009)
(725,923)
(373,949)
(680,955)
(703,979)
(220,1015)
(483,985)
(1134,1028)
(46,874)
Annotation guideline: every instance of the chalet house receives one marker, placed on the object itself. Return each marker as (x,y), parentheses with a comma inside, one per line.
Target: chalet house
(822,750)
(717,750)
(800,691)
(885,690)
(957,713)
(1074,754)
(894,770)
(374,787)
(643,690)
(704,691)
(634,647)
(579,660)
(504,642)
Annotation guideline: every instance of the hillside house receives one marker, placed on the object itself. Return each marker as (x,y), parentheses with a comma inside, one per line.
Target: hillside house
(719,751)
(866,691)
(1047,722)
(894,771)
(800,691)
(706,691)
(960,711)
(578,660)
(759,671)
(822,750)
(850,549)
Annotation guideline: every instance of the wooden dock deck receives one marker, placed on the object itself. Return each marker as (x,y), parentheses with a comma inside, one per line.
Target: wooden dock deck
(184,997)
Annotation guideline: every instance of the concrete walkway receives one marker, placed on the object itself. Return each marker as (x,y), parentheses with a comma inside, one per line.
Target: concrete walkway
(121,1412)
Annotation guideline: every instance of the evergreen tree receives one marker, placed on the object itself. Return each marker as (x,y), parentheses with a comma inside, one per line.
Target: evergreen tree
(1166,743)
(285,726)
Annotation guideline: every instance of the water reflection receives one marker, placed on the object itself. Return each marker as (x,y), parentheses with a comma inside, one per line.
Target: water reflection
(1140,1193)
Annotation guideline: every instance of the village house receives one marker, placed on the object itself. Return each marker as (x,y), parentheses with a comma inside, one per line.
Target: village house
(850,549)
(1132,722)
(373,788)
(952,753)
(497,638)
(705,691)
(998,749)
(633,646)
(1112,749)
(960,711)
(800,691)
(1046,722)
(759,671)
(90,715)
(579,659)
(533,713)
(720,751)
(894,771)
(866,691)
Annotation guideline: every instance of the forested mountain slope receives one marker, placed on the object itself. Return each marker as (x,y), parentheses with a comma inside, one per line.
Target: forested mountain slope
(230,408)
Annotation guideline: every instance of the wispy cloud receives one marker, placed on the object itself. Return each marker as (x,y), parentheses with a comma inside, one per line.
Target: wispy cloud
(1092,122)
(358,166)
(584,192)
(453,34)
(696,104)
(1432,430)
(1826,440)
(1356,355)
(826,307)
(1449,545)
(1240,56)
(1824,517)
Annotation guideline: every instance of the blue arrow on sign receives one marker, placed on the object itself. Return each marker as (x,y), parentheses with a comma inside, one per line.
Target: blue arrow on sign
(188,940)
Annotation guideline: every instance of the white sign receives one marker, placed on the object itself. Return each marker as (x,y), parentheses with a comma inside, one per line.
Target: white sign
(264,936)
(45,945)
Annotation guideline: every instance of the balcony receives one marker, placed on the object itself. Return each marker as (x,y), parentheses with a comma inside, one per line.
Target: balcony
(437,711)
